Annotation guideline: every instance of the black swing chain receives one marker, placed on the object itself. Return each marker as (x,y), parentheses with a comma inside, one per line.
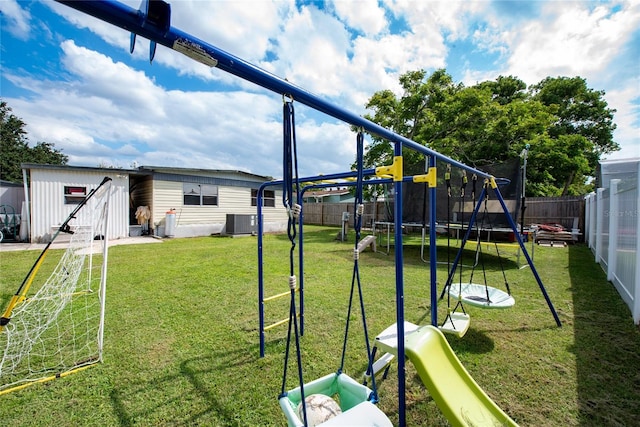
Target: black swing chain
(291,181)
(359,213)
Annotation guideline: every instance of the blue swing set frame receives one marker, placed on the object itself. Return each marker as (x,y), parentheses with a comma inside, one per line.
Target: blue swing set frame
(153,22)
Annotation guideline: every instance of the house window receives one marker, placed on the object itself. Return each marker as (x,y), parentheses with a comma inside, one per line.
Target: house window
(268,198)
(199,194)
(74,194)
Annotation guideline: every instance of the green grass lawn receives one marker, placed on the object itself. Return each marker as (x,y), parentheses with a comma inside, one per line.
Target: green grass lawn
(182,339)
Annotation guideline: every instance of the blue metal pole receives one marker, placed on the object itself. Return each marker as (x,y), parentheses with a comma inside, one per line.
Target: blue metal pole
(348,183)
(260,270)
(301,264)
(397,201)
(311,179)
(514,227)
(433,249)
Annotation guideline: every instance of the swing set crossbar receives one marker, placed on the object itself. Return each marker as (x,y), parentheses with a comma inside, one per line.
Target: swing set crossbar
(139,23)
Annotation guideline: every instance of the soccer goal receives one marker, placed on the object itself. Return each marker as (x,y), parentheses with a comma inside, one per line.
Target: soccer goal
(53,325)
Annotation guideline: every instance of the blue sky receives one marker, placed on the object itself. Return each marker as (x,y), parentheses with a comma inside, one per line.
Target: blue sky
(72,79)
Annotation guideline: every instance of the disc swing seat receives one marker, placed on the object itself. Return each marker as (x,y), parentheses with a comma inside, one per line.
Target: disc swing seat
(455,322)
(482,296)
(356,401)
(476,294)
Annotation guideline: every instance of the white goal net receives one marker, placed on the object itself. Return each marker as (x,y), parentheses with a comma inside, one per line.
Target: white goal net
(54,323)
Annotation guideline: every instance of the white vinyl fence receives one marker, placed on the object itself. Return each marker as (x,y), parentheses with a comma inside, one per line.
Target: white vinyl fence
(612,226)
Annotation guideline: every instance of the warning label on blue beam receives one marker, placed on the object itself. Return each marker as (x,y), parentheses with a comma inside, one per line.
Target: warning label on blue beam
(194,51)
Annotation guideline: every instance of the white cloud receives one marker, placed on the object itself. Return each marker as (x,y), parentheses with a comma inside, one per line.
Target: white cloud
(492,39)
(343,51)
(101,77)
(312,51)
(570,39)
(363,15)
(627,119)
(591,40)
(322,145)
(109,113)
(378,64)
(312,48)
(472,77)
(112,35)
(450,18)
(120,39)
(17,17)
(243,28)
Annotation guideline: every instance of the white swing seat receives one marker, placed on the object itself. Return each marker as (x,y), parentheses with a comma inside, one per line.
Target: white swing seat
(365,414)
(476,295)
(456,324)
(353,398)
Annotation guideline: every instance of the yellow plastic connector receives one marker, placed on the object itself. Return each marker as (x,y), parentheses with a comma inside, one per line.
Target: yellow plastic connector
(394,170)
(430,177)
(493,183)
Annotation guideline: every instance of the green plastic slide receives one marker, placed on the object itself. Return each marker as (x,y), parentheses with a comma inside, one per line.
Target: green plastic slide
(458,396)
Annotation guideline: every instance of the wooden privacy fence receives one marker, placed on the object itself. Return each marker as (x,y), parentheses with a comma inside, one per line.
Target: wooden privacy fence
(331,213)
(568,211)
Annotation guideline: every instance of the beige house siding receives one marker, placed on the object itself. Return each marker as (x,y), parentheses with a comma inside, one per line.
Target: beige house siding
(204,220)
(166,195)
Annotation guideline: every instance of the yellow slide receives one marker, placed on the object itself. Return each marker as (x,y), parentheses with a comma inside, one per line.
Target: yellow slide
(458,396)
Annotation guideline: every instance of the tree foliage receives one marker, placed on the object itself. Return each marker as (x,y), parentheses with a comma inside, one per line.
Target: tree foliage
(15,149)
(567,125)
(582,129)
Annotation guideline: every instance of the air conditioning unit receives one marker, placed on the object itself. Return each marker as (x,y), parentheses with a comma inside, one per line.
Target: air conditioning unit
(241,224)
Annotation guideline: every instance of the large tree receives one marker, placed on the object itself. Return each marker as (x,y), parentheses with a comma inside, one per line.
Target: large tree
(493,121)
(582,130)
(417,114)
(15,149)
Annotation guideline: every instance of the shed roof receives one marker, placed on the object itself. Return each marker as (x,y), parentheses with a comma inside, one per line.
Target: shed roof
(150,170)
(30,166)
(205,172)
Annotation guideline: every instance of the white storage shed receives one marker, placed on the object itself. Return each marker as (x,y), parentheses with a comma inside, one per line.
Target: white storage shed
(54,192)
